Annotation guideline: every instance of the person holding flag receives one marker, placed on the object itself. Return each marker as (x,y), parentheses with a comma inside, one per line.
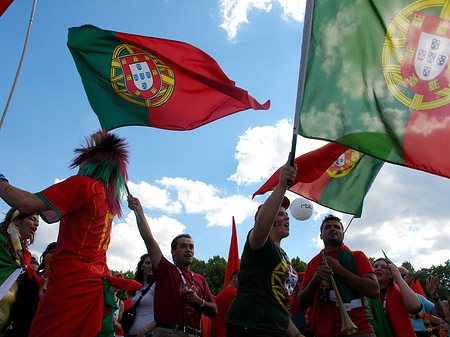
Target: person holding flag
(266,278)
(354,278)
(78,301)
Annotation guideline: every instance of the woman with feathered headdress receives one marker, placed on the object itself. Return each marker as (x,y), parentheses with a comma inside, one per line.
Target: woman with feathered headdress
(85,204)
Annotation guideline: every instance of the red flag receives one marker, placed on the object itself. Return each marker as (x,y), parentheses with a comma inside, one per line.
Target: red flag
(4,4)
(139,80)
(233,257)
(206,326)
(310,165)
(418,289)
(334,176)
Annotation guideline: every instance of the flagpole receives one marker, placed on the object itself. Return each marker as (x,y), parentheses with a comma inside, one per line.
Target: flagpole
(20,64)
(307,24)
(349,223)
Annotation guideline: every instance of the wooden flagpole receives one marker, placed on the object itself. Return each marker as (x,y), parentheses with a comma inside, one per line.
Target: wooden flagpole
(20,64)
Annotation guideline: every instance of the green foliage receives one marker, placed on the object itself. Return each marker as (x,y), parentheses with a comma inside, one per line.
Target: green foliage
(214,272)
(298,264)
(441,271)
(407,265)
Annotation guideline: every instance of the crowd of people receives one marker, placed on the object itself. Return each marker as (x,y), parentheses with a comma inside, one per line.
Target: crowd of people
(70,292)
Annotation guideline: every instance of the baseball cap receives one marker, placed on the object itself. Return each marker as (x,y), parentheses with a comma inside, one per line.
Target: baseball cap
(285,203)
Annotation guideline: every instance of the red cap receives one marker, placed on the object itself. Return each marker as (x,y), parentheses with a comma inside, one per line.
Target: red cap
(285,203)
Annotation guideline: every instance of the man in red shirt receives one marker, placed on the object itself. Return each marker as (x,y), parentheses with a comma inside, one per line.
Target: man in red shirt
(181,295)
(223,301)
(354,277)
(78,301)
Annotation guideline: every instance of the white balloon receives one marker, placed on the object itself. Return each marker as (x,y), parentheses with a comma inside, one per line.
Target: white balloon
(301,209)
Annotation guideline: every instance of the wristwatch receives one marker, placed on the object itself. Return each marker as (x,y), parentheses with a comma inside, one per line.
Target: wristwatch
(203,303)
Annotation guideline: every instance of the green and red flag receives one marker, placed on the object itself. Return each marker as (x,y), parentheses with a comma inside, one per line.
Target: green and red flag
(138,80)
(377,79)
(4,4)
(343,178)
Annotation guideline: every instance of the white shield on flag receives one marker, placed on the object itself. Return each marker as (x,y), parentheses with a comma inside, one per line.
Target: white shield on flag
(340,161)
(431,56)
(142,75)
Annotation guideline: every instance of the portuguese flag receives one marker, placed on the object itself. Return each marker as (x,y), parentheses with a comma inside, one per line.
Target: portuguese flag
(138,80)
(377,79)
(341,185)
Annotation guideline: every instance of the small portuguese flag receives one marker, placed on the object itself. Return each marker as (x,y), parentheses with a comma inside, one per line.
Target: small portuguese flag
(342,177)
(138,80)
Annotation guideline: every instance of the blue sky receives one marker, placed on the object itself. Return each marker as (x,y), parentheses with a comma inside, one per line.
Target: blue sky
(195,181)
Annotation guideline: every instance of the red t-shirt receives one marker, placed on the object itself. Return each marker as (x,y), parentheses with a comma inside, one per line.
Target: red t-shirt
(74,304)
(170,306)
(357,315)
(85,227)
(223,301)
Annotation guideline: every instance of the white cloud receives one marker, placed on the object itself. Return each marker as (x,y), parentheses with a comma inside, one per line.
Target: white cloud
(200,198)
(262,150)
(153,197)
(234,12)
(127,245)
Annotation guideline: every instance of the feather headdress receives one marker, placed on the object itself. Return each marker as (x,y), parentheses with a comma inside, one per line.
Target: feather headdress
(105,158)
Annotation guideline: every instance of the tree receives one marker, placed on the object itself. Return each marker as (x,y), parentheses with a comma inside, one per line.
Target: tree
(214,272)
(298,264)
(407,265)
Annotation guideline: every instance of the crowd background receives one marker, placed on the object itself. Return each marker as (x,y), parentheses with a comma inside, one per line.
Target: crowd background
(214,271)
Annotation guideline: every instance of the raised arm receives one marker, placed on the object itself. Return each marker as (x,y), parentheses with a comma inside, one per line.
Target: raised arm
(411,300)
(23,201)
(269,210)
(154,251)
(432,287)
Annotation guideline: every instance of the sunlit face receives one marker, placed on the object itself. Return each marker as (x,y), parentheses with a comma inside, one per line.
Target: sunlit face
(147,267)
(183,255)
(382,272)
(281,225)
(332,233)
(27,226)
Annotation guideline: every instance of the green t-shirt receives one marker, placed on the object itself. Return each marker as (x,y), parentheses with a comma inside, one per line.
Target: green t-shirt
(261,300)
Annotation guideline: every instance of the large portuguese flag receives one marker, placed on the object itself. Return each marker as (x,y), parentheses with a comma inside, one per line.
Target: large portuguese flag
(377,79)
(138,80)
(342,177)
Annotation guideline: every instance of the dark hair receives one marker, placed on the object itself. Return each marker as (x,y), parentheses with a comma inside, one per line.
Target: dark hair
(235,273)
(328,218)
(50,246)
(139,274)
(174,243)
(4,230)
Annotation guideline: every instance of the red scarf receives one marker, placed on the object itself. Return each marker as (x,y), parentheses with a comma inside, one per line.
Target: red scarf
(397,314)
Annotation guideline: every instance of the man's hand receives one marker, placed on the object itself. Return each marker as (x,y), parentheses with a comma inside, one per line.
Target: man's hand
(432,286)
(191,297)
(287,173)
(323,272)
(134,204)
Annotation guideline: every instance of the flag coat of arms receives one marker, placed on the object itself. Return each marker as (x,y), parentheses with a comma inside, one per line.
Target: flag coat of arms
(377,79)
(138,80)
